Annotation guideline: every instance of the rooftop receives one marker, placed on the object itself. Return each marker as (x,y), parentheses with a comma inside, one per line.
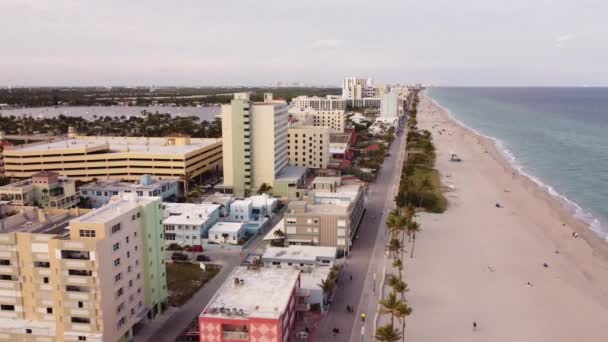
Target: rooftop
(117,206)
(117,144)
(339,138)
(262,200)
(261,293)
(226,227)
(188,213)
(291,173)
(116,185)
(304,253)
(40,221)
(219,198)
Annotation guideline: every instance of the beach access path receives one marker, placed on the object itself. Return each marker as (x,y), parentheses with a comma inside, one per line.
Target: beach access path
(477,262)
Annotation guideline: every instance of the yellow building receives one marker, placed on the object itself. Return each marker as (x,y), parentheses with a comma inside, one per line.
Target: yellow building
(91,282)
(334,119)
(45,189)
(127,158)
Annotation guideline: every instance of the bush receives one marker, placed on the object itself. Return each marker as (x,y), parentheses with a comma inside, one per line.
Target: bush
(174,247)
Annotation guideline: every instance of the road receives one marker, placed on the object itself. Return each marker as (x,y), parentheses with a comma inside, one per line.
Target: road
(170,325)
(365,260)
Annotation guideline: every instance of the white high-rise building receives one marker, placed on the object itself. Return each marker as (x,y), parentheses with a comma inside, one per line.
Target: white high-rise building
(357,88)
(389,108)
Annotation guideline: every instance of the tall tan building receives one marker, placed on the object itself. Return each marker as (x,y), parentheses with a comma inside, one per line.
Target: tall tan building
(334,119)
(254,142)
(91,282)
(308,146)
(127,158)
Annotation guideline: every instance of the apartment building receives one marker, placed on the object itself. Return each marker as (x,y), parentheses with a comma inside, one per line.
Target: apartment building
(99,192)
(334,119)
(328,103)
(45,189)
(255,144)
(91,282)
(357,88)
(125,158)
(389,109)
(189,223)
(308,146)
(329,215)
(253,305)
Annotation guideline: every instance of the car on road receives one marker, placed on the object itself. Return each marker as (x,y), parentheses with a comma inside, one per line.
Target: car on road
(194,248)
(202,257)
(178,256)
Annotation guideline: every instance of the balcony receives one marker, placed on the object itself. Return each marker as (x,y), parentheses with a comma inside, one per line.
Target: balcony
(77,264)
(236,335)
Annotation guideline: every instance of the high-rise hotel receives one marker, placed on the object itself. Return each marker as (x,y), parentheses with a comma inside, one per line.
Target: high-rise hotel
(254,138)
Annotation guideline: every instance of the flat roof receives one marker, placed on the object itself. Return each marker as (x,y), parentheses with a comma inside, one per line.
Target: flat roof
(261,200)
(219,198)
(311,280)
(188,213)
(340,138)
(291,172)
(264,293)
(226,227)
(116,185)
(304,253)
(40,221)
(118,144)
(117,206)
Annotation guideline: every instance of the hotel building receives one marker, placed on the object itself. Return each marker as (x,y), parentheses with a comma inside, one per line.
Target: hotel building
(124,158)
(389,109)
(255,145)
(45,189)
(253,305)
(334,119)
(91,282)
(309,146)
(328,103)
(329,215)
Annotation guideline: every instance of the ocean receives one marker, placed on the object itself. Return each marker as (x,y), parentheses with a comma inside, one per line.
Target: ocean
(556,136)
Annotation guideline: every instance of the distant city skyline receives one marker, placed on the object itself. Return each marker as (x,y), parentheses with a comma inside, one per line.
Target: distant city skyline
(203,43)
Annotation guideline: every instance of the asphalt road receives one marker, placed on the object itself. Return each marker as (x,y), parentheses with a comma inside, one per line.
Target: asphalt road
(365,260)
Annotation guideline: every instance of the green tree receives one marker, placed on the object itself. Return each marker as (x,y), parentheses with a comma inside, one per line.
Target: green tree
(264,188)
(394,247)
(412,228)
(402,313)
(390,305)
(387,333)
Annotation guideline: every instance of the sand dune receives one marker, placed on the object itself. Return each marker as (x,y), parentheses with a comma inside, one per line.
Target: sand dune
(474,262)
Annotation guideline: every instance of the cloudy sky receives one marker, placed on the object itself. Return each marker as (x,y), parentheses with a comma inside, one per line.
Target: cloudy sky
(226,42)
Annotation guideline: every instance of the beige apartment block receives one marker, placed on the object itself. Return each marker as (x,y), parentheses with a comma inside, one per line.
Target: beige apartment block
(334,119)
(90,282)
(308,146)
(329,215)
(45,189)
(126,158)
(255,142)
(330,102)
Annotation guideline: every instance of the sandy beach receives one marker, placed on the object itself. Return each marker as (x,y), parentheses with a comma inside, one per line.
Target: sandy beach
(477,262)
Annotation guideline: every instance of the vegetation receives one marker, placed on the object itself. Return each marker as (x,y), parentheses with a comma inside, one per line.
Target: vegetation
(329,284)
(420,184)
(279,239)
(185,279)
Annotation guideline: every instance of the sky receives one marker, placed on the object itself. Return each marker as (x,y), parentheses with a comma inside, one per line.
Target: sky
(226,42)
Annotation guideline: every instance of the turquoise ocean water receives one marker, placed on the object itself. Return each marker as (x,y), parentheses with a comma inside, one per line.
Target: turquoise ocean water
(556,136)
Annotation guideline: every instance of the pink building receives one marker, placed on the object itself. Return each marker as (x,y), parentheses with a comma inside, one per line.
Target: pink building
(257,305)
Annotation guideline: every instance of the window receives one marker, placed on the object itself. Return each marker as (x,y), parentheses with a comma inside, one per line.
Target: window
(118,277)
(115,228)
(82,338)
(291,220)
(117,262)
(84,192)
(121,322)
(87,233)
(45,280)
(42,264)
(119,292)
(28,331)
(116,246)
(5,262)
(83,320)
(49,310)
(81,305)
(6,307)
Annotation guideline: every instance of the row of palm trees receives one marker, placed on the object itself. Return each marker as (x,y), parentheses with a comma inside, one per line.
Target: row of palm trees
(401,229)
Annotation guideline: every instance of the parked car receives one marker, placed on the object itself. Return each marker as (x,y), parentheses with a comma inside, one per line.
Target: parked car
(202,257)
(195,248)
(178,256)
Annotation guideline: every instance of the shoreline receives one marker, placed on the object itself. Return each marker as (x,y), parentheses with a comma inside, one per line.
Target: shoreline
(504,156)
(516,269)
(541,190)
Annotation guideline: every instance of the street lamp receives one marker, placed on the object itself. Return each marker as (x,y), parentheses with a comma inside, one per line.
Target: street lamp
(363,333)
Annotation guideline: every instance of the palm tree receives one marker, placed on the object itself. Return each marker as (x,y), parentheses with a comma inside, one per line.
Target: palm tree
(413,227)
(390,305)
(327,286)
(398,264)
(264,188)
(387,333)
(403,311)
(394,247)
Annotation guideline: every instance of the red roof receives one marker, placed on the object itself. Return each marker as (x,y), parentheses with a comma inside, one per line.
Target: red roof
(372,147)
